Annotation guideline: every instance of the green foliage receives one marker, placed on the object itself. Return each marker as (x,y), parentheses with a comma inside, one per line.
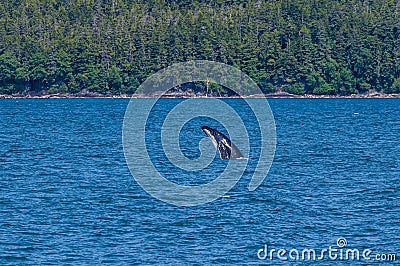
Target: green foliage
(115,80)
(314,81)
(8,73)
(327,47)
(364,87)
(266,87)
(326,89)
(297,88)
(395,88)
(344,82)
(38,71)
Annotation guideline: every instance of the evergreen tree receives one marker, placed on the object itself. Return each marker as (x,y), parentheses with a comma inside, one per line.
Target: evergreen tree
(322,47)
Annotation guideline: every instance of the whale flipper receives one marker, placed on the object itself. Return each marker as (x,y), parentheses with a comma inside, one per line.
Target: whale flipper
(226,149)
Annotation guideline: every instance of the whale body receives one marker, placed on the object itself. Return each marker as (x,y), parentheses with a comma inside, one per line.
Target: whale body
(226,149)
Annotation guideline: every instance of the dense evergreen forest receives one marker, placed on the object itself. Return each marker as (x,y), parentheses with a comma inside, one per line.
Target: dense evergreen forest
(111,46)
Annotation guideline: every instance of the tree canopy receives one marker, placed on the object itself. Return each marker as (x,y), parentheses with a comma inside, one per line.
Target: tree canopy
(111,46)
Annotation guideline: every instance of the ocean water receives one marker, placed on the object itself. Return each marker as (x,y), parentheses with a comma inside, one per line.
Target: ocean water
(68,197)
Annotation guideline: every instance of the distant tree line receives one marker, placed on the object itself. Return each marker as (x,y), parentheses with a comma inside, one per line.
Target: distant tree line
(111,46)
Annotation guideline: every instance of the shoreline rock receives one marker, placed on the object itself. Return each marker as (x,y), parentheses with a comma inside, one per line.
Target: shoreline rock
(184,94)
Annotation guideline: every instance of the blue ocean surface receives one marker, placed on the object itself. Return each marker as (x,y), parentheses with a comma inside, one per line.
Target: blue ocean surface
(67,195)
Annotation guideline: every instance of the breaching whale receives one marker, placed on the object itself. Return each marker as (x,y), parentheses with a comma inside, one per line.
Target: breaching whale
(226,149)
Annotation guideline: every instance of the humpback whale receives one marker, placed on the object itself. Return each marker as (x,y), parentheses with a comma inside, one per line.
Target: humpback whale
(226,149)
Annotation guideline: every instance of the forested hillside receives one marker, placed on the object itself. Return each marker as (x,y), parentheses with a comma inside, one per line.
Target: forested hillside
(111,46)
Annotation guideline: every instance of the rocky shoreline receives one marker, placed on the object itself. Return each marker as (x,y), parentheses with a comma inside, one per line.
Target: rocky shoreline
(186,94)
